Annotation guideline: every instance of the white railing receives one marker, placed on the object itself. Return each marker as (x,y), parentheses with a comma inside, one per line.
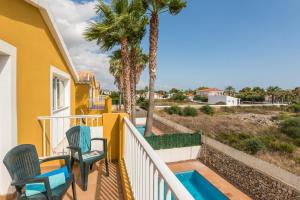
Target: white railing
(97,102)
(57,127)
(149,177)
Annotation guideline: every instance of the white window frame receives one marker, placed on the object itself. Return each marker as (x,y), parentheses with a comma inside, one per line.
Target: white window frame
(9,137)
(57,73)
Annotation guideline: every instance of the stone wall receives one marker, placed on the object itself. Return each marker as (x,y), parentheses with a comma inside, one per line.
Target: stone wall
(254,183)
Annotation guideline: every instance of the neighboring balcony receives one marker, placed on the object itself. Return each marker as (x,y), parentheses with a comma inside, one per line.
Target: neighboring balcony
(134,164)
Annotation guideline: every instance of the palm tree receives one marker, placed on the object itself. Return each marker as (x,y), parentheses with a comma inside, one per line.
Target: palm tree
(230,91)
(115,69)
(273,91)
(116,23)
(157,7)
(138,62)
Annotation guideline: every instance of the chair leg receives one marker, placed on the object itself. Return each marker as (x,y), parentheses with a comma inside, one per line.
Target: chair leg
(72,163)
(106,167)
(85,176)
(74,189)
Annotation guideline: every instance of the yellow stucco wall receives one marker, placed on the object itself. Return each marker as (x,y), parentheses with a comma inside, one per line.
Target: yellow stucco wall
(82,101)
(22,25)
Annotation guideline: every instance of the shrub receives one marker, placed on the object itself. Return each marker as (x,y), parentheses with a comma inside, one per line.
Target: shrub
(189,111)
(252,145)
(207,109)
(282,147)
(178,97)
(200,98)
(220,103)
(291,127)
(295,107)
(173,110)
(144,104)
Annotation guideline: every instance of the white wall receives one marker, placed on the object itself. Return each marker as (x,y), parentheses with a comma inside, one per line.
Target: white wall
(8,112)
(228,100)
(179,154)
(140,121)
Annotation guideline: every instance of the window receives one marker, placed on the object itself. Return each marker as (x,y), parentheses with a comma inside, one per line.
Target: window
(59,92)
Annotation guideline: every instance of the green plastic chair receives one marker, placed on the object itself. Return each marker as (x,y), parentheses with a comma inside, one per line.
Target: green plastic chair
(87,159)
(23,165)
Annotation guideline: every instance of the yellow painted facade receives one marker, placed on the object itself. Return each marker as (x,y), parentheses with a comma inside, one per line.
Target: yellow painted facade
(23,26)
(26,29)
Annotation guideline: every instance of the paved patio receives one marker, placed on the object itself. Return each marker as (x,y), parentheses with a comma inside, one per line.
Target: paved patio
(99,185)
(225,187)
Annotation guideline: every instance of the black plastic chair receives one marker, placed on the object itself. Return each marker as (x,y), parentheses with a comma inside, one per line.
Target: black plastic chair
(87,159)
(23,165)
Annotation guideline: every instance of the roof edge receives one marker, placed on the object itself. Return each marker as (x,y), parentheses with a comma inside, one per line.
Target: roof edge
(56,34)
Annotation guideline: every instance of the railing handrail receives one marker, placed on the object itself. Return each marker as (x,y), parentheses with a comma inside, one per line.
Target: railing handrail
(69,116)
(174,184)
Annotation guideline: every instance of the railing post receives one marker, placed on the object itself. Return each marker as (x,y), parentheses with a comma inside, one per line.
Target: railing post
(44,139)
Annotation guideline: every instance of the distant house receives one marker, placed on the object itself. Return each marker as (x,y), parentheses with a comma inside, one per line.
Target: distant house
(209,92)
(221,99)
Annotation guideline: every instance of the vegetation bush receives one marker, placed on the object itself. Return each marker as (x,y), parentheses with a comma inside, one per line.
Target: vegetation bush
(243,142)
(200,98)
(220,103)
(291,127)
(144,104)
(207,109)
(252,145)
(190,111)
(295,107)
(173,110)
(141,99)
(282,147)
(178,97)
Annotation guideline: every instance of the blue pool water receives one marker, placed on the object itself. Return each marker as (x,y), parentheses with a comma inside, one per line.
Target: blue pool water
(141,129)
(199,187)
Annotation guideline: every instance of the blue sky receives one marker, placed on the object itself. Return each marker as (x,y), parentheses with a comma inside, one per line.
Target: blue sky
(217,43)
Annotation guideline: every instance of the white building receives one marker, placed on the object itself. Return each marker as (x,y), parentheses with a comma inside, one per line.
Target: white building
(227,100)
(209,92)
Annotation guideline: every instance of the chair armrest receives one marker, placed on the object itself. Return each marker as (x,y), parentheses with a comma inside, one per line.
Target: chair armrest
(77,149)
(44,180)
(66,158)
(104,140)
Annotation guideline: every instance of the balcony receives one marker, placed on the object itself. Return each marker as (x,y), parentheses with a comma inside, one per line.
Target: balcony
(133,162)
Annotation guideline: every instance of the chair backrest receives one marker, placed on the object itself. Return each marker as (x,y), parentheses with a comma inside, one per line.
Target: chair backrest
(22,162)
(73,136)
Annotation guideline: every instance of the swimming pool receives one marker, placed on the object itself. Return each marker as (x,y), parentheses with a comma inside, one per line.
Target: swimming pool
(199,187)
(141,129)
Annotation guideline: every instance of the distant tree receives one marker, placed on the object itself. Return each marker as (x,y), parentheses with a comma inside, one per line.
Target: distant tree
(202,88)
(174,90)
(273,92)
(296,94)
(246,89)
(230,91)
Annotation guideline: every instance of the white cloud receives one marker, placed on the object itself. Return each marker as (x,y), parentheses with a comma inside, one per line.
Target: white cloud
(72,19)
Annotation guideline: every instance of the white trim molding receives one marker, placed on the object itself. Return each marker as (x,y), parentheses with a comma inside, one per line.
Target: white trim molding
(55,72)
(8,124)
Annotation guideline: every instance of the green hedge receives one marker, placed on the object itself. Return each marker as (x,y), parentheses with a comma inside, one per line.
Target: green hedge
(176,140)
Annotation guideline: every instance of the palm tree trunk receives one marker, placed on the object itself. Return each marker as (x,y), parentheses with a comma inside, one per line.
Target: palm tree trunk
(126,74)
(152,67)
(133,84)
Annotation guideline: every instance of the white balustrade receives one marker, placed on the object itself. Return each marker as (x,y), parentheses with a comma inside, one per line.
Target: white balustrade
(59,125)
(149,176)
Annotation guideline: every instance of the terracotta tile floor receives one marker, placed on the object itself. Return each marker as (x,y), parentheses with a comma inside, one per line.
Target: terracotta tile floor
(225,187)
(99,185)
